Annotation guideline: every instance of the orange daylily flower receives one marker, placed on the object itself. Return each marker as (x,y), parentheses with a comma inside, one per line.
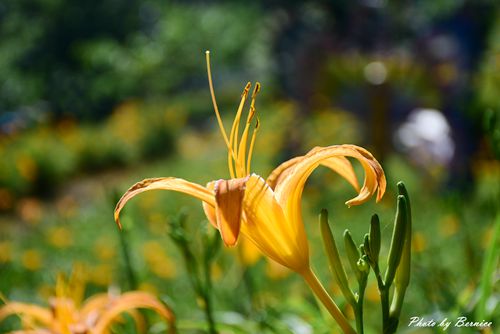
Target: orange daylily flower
(96,315)
(268,213)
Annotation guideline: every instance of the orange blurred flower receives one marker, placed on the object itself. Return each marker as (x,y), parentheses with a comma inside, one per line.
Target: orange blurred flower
(67,314)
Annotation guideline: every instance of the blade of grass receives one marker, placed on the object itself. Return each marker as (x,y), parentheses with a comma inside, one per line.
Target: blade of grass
(490,261)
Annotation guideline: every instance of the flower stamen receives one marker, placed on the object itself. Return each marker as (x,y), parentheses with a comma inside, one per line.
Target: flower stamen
(237,160)
(252,142)
(233,139)
(244,138)
(216,108)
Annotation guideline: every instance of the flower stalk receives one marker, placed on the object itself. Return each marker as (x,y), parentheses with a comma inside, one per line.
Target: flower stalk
(398,264)
(358,308)
(320,292)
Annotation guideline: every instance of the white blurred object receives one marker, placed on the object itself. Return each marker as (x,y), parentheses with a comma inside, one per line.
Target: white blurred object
(426,135)
(375,73)
(298,325)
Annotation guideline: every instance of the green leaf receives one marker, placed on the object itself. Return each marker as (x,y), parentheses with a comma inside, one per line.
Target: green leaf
(490,262)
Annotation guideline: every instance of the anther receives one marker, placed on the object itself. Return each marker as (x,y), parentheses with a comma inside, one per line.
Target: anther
(256,90)
(246,90)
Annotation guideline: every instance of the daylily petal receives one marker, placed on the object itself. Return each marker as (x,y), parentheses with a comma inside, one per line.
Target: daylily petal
(97,305)
(37,313)
(340,165)
(268,228)
(164,183)
(373,169)
(280,172)
(228,208)
(64,310)
(289,190)
(249,254)
(343,167)
(31,331)
(209,209)
(139,320)
(93,307)
(133,300)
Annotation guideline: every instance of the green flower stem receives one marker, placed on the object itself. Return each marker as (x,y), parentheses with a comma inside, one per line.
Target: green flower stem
(208,299)
(491,258)
(199,275)
(251,287)
(327,301)
(129,269)
(384,298)
(209,314)
(202,289)
(389,324)
(358,310)
(213,246)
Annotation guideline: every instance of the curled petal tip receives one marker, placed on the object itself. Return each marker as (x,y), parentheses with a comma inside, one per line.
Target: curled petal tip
(381,187)
(351,202)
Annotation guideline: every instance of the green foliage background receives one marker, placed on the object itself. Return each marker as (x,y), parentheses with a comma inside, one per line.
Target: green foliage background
(96,95)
